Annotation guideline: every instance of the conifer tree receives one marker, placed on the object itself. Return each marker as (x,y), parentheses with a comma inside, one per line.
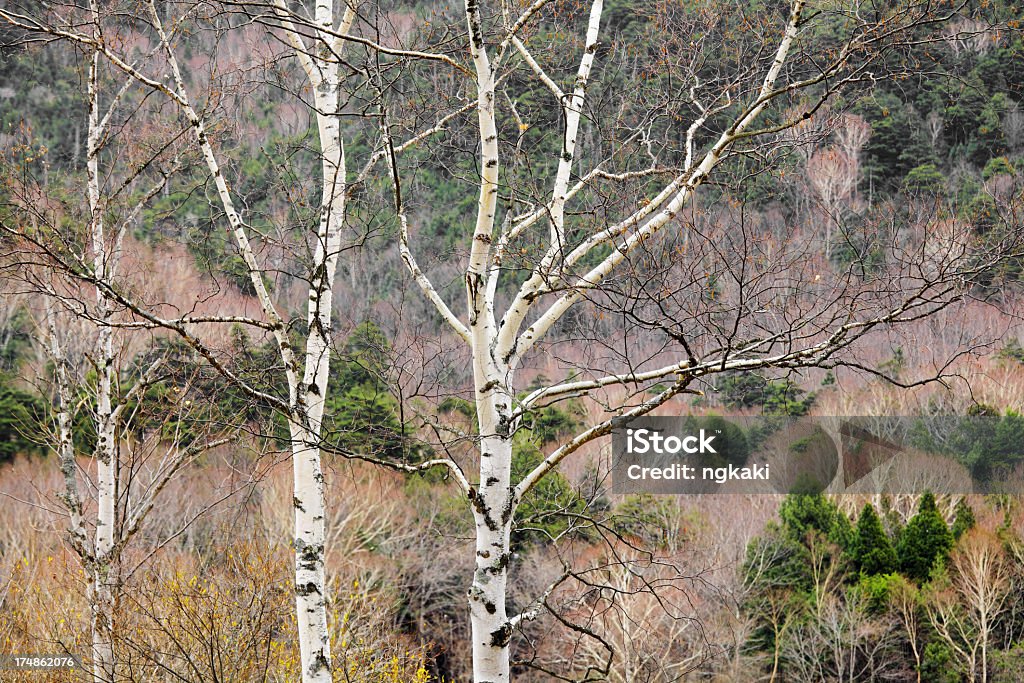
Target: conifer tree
(964,520)
(872,551)
(925,540)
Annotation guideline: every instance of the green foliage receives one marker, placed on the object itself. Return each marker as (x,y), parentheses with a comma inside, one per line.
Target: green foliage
(1008,665)
(896,145)
(741,390)
(553,507)
(363,359)
(989,446)
(549,423)
(1012,351)
(991,140)
(963,520)
(731,441)
(877,589)
(924,179)
(15,340)
(789,563)
(747,390)
(361,415)
(363,419)
(813,532)
(22,416)
(997,166)
(786,398)
(938,665)
(925,541)
(982,213)
(453,207)
(802,513)
(46,102)
(894,366)
(454,404)
(622,20)
(808,521)
(872,551)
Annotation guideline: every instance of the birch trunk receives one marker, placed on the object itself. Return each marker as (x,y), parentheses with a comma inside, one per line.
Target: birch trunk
(306,395)
(103,570)
(310,575)
(491,629)
(310,580)
(492,501)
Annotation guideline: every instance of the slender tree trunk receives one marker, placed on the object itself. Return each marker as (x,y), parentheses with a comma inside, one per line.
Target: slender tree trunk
(310,581)
(983,642)
(103,574)
(100,594)
(103,570)
(310,574)
(491,630)
(775,658)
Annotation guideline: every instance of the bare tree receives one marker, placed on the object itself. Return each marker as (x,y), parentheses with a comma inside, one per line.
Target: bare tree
(588,247)
(318,52)
(906,603)
(964,612)
(130,471)
(539,276)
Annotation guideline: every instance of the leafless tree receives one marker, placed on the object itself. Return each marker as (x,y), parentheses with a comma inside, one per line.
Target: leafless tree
(305,373)
(605,240)
(628,263)
(136,453)
(964,611)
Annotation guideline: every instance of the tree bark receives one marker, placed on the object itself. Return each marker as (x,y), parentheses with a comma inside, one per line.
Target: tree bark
(103,569)
(310,574)
(310,580)
(491,629)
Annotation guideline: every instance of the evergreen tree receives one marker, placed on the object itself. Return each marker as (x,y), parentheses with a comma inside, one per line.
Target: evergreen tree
(21,415)
(964,520)
(872,551)
(925,540)
(362,415)
(805,512)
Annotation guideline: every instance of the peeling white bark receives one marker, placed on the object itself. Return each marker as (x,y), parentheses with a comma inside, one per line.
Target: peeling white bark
(497,349)
(103,570)
(306,395)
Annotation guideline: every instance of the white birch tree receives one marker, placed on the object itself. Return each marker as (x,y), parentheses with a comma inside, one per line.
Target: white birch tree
(305,370)
(608,229)
(100,544)
(582,258)
(128,474)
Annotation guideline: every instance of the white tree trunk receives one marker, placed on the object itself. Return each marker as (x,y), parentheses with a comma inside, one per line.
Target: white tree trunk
(310,582)
(306,399)
(103,570)
(492,501)
(310,575)
(101,604)
(103,574)
(491,630)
